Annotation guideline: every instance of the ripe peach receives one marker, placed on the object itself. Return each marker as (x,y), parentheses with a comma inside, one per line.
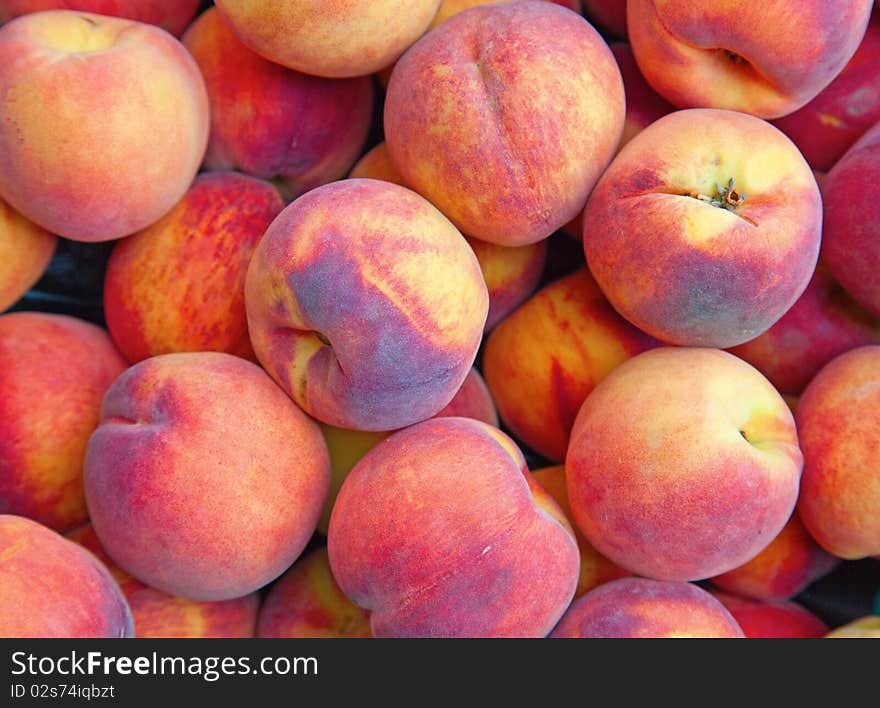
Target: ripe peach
(54,371)
(867,627)
(643,104)
(306,602)
(270,122)
(352,38)
(440,517)
(772,620)
(366,305)
(683,464)
(838,420)
(203,479)
(734,55)
(681,252)
(544,359)
(526,108)
(78,85)
(171,15)
(643,608)
(25,252)
(52,588)
(178,285)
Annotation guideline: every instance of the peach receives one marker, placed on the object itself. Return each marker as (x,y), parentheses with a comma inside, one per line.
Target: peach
(851,234)
(643,104)
(171,15)
(828,125)
(609,15)
(52,588)
(438,533)
(644,608)
(838,420)
(158,615)
(544,359)
(178,285)
(511,272)
(867,627)
(270,122)
(54,371)
(365,305)
(824,323)
(736,54)
(773,620)
(332,39)
(203,479)
(705,229)
(683,464)
(306,602)
(789,563)
(595,568)
(78,85)
(347,447)
(25,252)
(526,107)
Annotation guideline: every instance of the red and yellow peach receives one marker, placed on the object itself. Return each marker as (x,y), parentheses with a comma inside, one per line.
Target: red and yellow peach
(173,15)
(772,620)
(25,252)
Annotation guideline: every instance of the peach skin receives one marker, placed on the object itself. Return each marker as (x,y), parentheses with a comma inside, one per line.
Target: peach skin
(439,531)
(838,420)
(77,85)
(25,252)
(705,229)
(366,305)
(158,615)
(734,54)
(54,372)
(526,107)
(170,15)
(203,479)
(867,627)
(772,620)
(851,234)
(306,602)
(511,272)
(790,563)
(824,323)
(178,285)
(595,568)
(545,358)
(297,130)
(332,39)
(683,464)
(52,588)
(643,104)
(644,608)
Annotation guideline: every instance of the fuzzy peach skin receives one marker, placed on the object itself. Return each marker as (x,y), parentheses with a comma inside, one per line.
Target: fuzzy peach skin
(828,125)
(789,563)
(511,272)
(439,531)
(366,305)
(683,464)
(347,447)
(688,272)
(643,104)
(734,54)
(270,122)
(178,285)
(158,615)
(203,479)
(609,15)
(595,568)
(25,252)
(54,372)
(851,235)
(52,588)
(332,39)
(867,627)
(76,86)
(838,420)
(306,602)
(171,15)
(644,608)
(772,620)
(824,323)
(544,359)
(526,108)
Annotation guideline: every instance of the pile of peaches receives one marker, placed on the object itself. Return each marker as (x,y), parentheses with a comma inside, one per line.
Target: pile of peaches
(438,318)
